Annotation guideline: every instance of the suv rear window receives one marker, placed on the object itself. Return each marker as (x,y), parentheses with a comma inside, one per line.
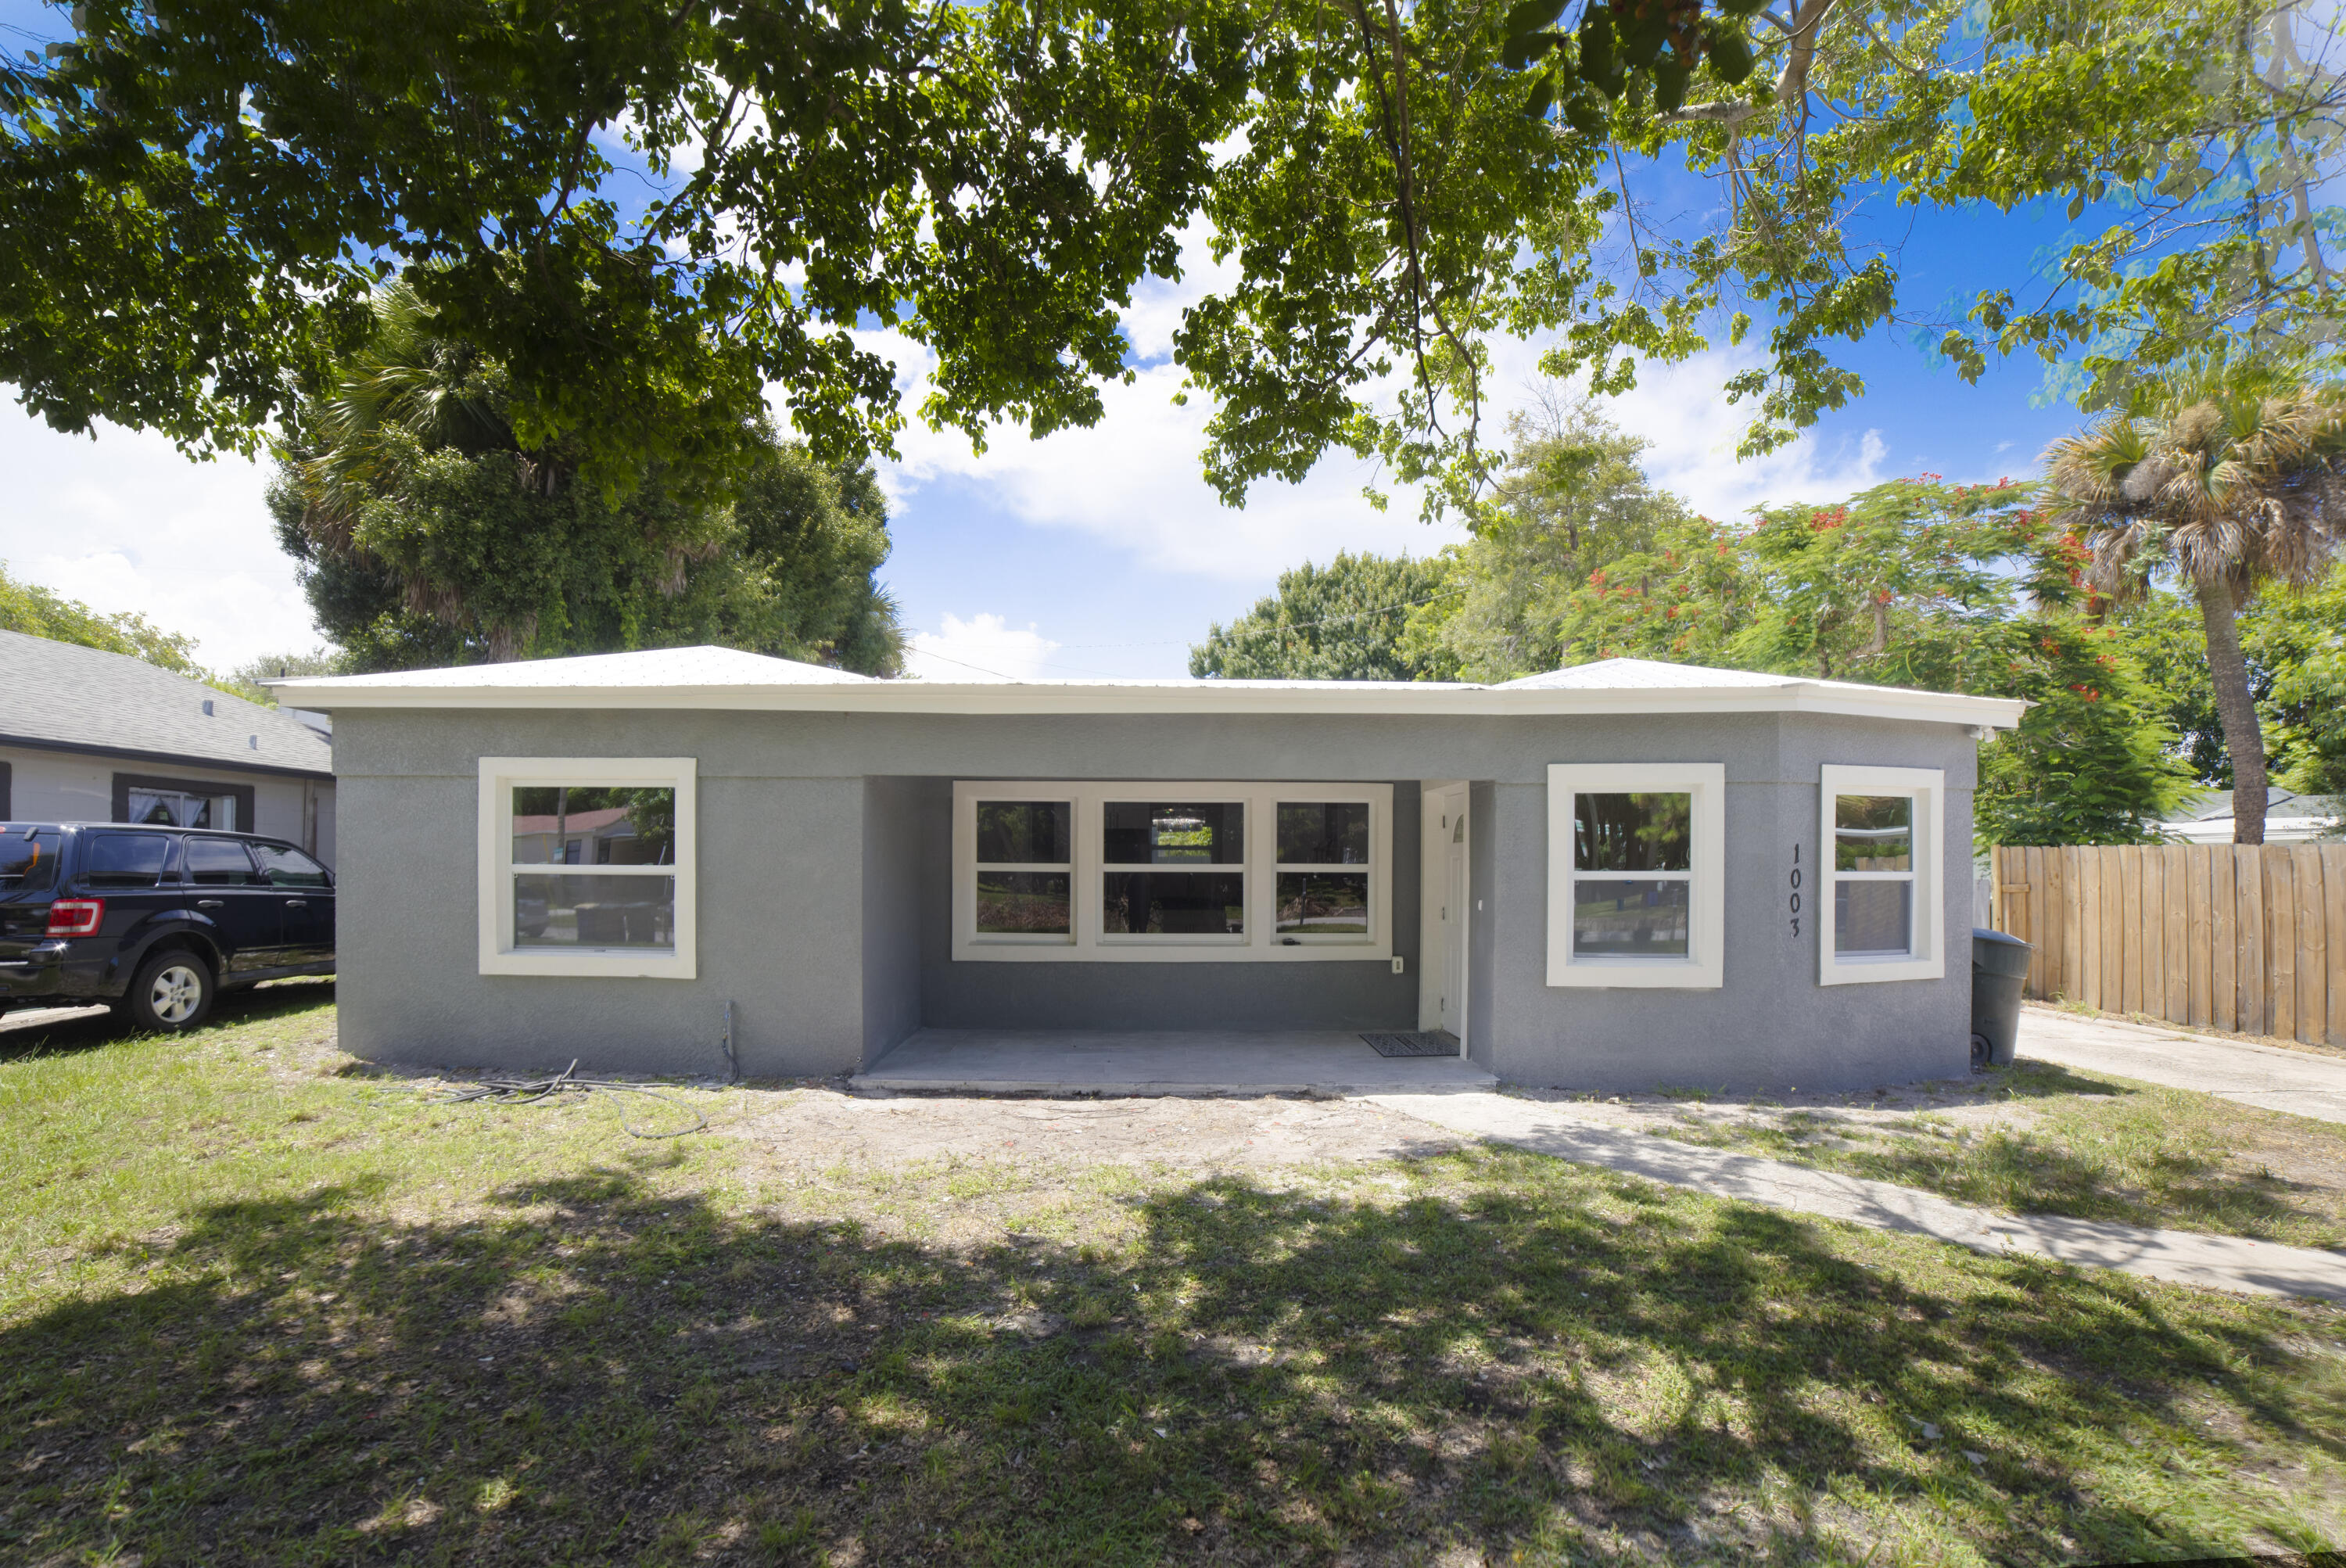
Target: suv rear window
(125,859)
(28,860)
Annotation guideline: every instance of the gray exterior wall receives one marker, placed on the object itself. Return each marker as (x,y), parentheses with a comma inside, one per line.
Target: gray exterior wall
(824,873)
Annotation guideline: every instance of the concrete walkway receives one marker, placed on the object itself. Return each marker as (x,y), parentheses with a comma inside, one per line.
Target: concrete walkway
(2184,1257)
(1185,1062)
(2266,1077)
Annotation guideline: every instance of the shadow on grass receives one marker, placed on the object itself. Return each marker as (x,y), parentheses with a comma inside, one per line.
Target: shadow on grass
(596,1373)
(87,1031)
(2044,1080)
(2149,1157)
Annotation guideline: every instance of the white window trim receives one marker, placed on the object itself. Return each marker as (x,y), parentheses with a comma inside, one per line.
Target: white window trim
(1088,944)
(1928,788)
(499,776)
(1702,969)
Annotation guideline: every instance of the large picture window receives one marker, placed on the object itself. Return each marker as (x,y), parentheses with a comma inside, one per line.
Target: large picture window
(1634,874)
(1881,833)
(1116,873)
(588,866)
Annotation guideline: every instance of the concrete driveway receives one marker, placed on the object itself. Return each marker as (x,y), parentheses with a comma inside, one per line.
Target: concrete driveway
(2266,1077)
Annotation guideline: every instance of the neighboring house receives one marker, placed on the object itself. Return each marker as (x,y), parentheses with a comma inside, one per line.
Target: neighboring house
(1615,875)
(93,736)
(2290,818)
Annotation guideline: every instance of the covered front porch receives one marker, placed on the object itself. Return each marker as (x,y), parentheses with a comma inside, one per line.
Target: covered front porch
(1173,1062)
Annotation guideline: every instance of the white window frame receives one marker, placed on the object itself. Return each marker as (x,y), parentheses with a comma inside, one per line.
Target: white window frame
(1702,968)
(1088,944)
(1927,787)
(500,776)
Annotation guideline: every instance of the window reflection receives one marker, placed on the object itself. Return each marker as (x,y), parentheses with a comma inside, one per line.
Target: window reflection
(566,825)
(1023,903)
(1630,918)
(1873,833)
(1323,903)
(552,910)
(1632,833)
(1025,833)
(1323,833)
(1189,903)
(1138,833)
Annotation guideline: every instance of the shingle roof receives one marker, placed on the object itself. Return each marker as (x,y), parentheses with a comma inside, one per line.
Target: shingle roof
(63,696)
(708,678)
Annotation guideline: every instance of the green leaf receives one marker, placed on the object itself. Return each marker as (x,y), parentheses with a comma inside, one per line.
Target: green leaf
(1600,63)
(1527,17)
(1542,96)
(1671,80)
(1729,51)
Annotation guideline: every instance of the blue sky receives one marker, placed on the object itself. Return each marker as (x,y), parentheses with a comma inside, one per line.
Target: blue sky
(1098,552)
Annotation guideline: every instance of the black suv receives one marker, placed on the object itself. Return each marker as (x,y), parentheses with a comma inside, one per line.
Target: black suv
(155,920)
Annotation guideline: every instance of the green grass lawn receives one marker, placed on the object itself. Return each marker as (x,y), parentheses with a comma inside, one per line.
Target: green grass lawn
(259,1307)
(2087,1146)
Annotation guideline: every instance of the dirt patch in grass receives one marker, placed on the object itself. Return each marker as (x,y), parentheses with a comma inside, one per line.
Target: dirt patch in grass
(290,1316)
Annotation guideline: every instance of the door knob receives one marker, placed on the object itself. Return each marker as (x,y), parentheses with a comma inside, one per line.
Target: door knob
(297,903)
(208,903)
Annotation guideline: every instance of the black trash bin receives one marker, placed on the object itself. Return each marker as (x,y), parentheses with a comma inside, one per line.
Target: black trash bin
(1999,970)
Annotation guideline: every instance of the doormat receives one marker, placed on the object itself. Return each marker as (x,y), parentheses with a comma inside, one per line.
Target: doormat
(1423,1042)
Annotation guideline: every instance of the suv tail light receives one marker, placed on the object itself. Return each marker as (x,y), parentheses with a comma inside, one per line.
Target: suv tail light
(76,917)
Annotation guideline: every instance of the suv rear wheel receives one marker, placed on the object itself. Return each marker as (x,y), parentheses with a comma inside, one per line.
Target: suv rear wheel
(173,993)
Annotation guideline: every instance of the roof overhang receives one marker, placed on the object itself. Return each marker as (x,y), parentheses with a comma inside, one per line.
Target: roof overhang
(167,758)
(1359,699)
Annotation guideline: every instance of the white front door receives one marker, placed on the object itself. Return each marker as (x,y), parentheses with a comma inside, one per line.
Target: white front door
(1443,994)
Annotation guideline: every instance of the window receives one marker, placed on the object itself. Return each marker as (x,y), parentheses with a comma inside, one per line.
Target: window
(1322,896)
(286,867)
(1880,917)
(586,866)
(28,860)
(1026,870)
(182,803)
(127,859)
(219,862)
(1169,872)
(1635,895)
(1193,885)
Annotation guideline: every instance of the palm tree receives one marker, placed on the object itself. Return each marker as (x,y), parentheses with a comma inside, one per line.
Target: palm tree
(409,388)
(2229,479)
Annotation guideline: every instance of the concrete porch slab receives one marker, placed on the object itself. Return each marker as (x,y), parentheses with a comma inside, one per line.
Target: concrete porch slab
(1194,1062)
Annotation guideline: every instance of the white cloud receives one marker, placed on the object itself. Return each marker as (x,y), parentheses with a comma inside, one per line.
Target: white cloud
(1682,411)
(974,650)
(125,523)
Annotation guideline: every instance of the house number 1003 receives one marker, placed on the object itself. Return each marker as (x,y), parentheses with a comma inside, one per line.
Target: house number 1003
(1796,890)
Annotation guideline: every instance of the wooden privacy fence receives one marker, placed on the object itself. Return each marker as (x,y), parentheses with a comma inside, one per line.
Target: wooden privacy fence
(2227,936)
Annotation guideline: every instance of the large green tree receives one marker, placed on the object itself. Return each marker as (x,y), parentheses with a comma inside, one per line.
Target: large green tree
(202,194)
(1573,513)
(1339,622)
(429,531)
(1913,583)
(38,612)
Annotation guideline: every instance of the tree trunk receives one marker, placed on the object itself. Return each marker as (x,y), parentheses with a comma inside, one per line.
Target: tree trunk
(2244,739)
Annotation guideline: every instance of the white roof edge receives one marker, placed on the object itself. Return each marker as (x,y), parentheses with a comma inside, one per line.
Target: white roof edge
(1202,696)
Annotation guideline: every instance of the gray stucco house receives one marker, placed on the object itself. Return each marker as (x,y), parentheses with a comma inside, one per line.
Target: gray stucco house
(1615,875)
